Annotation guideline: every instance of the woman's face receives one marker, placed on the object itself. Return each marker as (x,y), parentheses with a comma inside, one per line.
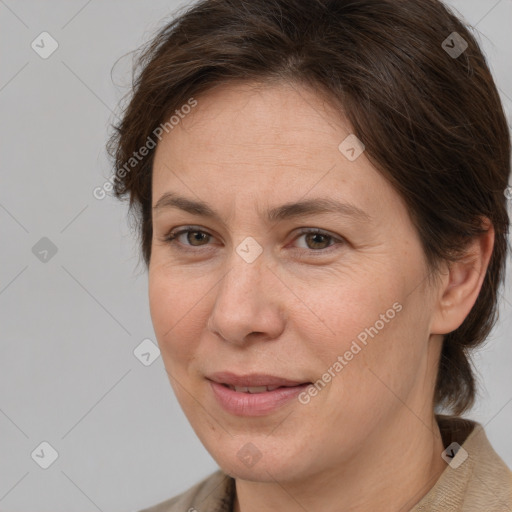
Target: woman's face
(340,318)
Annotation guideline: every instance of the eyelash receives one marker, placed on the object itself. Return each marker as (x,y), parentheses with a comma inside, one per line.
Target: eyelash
(171,237)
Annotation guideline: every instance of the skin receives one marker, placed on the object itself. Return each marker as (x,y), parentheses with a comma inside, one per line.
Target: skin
(368,440)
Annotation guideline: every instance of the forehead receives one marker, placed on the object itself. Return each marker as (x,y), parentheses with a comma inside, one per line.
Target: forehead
(259,120)
(245,142)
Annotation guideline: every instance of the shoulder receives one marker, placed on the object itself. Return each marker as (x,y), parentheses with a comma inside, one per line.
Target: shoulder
(209,495)
(490,486)
(475,479)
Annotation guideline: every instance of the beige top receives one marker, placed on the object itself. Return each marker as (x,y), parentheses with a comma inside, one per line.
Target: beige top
(477,482)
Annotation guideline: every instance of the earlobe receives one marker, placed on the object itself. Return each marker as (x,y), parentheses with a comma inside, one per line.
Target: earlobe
(463,282)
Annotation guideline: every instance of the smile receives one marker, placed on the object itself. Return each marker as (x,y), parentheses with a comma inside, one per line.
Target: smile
(253,395)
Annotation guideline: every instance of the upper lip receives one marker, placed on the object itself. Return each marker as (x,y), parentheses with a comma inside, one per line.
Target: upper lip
(252,379)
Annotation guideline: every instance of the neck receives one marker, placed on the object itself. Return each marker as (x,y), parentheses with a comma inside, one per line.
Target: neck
(395,469)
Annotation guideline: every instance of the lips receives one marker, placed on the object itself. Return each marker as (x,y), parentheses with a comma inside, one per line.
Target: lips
(254,380)
(254,394)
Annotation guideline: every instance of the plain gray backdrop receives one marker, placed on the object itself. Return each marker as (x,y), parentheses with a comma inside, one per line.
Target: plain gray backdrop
(73,298)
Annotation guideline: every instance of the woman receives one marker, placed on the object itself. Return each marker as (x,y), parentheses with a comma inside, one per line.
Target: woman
(320,190)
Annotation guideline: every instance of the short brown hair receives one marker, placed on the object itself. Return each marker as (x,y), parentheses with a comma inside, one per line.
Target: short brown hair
(432,122)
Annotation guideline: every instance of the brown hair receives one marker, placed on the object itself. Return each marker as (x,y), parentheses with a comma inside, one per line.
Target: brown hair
(432,122)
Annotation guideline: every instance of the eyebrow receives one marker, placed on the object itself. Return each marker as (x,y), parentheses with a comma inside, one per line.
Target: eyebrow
(279,213)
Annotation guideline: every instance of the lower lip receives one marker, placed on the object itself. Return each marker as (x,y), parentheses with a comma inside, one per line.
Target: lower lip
(254,404)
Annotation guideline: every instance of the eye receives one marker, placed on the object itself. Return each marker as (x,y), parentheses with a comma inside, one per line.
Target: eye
(318,240)
(194,236)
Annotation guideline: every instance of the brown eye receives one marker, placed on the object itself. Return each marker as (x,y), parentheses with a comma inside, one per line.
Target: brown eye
(317,240)
(197,236)
(194,238)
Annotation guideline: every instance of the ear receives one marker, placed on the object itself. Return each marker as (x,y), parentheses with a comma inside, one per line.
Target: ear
(461,284)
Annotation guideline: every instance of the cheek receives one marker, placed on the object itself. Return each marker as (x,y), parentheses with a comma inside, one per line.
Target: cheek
(173,308)
(353,312)
(382,356)
(370,323)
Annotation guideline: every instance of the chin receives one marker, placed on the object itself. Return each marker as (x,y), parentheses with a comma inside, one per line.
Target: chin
(257,459)
(260,472)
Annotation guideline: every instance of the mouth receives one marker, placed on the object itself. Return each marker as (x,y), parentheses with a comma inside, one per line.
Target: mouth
(253,381)
(253,389)
(254,394)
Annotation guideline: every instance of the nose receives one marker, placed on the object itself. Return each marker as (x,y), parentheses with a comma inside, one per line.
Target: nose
(247,305)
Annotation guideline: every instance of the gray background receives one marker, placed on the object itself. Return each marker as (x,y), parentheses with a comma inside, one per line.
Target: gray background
(69,326)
